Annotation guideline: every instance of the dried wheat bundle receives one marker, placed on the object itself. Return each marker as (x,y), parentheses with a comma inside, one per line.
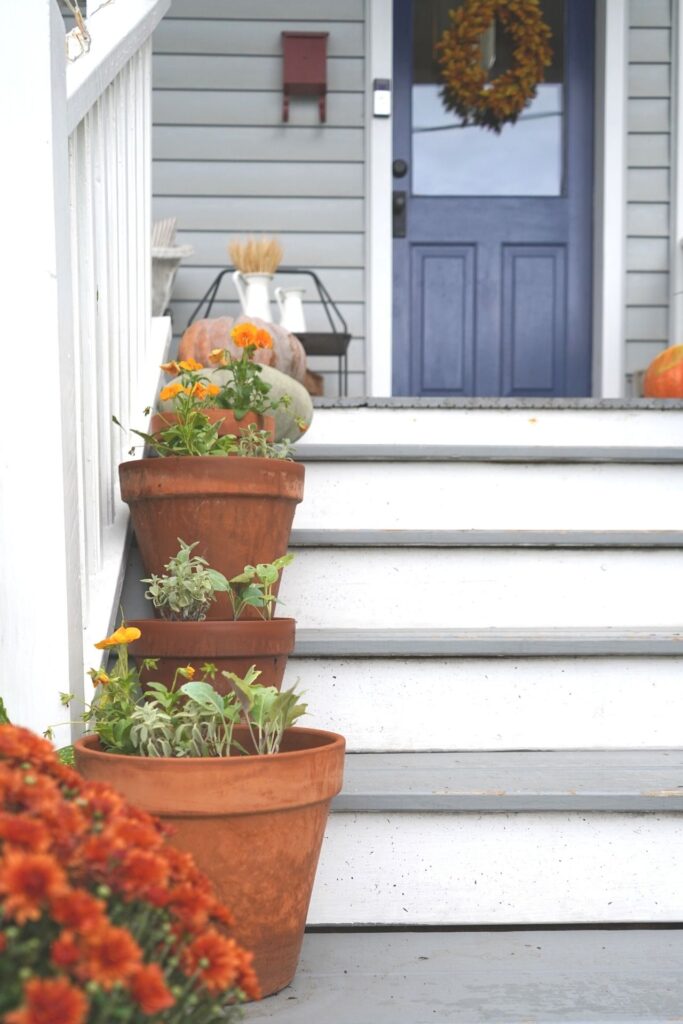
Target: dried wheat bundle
(256,255)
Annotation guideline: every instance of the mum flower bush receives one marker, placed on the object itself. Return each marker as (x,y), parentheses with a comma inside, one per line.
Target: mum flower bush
(100,919)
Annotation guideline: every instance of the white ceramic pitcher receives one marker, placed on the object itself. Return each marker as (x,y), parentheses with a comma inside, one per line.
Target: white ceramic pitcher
(254,294)
(291,303)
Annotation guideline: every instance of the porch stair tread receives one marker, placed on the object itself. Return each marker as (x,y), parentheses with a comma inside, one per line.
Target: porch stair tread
(646,641)
(502,781)
(488,453)
(575,976)
(314,538)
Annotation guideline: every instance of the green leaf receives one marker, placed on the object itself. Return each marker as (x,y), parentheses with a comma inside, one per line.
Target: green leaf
(204,694)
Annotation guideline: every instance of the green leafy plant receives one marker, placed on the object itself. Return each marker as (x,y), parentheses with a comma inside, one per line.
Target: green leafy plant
(245,390)
(185,592)
(253,587)
(267,711)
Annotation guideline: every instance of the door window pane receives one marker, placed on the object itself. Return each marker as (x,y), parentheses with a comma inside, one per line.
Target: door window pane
(525,159)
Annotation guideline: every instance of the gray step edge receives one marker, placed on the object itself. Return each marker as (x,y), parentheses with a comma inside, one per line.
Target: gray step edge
(626,781)
(488,643)
(487,538)
(486,453)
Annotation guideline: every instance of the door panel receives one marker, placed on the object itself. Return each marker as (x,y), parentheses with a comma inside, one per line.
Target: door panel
(492,277)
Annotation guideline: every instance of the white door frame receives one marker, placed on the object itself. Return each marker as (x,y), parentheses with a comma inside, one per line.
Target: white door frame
(609,234)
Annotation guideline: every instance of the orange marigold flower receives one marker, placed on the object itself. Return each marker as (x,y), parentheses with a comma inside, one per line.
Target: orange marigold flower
(28,881)
(188,365)
(101,679)
(123,635)
(244,335)
(111,955)
(78,909)
(140,871)
(215,959)
(50,1001)
(219,357)
(212,390)
(264,339)
(148,988)
(170,391)
(171,367)
(65,951)
(199,390)
(25,832)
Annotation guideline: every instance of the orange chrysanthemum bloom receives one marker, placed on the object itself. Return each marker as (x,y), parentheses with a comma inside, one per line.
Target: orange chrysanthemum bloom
(123,635)
(219,357)
(65,951)
(188,365)
(28,881)
(141,871)
(264,339)
(149,990)
(111,955)
(25,832)
(79,910)
(244,335)
(170,391)
(50,1001)
(214,959)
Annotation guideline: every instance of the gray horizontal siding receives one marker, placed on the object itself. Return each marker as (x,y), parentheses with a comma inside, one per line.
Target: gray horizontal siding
(226,166)
(648,181)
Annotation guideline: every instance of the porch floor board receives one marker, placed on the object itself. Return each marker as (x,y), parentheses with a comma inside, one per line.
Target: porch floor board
(473,977)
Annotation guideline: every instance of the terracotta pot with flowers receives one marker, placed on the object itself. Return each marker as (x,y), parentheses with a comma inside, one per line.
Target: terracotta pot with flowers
(236,490)
(245,793)
(182,597)
(100,918)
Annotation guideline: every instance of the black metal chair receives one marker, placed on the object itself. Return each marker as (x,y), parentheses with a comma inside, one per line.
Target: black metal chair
(334,342)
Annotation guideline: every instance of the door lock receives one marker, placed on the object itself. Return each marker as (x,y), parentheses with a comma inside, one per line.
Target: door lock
(399,206)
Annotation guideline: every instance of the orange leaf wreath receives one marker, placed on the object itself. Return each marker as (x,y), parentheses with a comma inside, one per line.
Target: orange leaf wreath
(466,89)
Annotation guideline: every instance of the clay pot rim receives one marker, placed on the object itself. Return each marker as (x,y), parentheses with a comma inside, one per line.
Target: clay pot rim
(220,460)
(332,741)
(214,638)
(214,624)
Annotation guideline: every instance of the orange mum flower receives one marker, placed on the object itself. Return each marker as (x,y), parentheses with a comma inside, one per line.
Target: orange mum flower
(244,335)
(65,951)
(25,832)
(170,391)
(28,881)
(264,339)
(219,357)
(111,955)
(247,979)
(215,959)
(141,871)
(78,909)
(188,365)
(50,1001)
(123,635)
(148,988)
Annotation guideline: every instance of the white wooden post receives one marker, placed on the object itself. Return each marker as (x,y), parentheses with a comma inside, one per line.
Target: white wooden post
(40,591)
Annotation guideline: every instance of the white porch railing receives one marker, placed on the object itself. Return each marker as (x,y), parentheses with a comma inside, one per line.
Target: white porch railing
(78,233)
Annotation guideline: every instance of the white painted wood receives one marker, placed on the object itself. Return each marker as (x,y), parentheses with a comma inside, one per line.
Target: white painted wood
(604,427)
(610,162)
(428,588)
(479,496)
(117,30)
(464,869)
(379,142)
(493,703)
(40,642)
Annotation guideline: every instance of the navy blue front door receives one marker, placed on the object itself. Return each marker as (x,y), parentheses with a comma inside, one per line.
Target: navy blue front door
(493,275)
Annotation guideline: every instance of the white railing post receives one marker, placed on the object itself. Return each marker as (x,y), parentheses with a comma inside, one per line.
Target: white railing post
(40,596)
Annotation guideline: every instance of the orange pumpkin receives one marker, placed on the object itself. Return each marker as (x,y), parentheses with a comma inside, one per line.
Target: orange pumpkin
(664,376)
(201,337)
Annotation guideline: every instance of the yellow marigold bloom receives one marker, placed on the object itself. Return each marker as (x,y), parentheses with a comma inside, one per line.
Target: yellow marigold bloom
(198,390)
(171,367)
(122,635)
(170,391)
(189,671)
(101,679)
(188,365)
(263,339)
(244,335)
(218,357)
(212,390)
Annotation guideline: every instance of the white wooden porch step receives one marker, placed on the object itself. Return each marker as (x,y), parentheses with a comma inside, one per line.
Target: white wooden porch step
(474,588)
(495,453)
(508,838)
(323,538)
(629,976)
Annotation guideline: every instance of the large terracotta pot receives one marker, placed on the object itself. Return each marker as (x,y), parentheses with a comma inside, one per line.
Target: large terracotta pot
(664,375)
(240,510)
(230,646)
(254,825)
(226,418)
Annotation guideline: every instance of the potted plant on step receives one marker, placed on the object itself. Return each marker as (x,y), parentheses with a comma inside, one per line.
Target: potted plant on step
(100,918)
(237,492)
(183,595)
(244,792)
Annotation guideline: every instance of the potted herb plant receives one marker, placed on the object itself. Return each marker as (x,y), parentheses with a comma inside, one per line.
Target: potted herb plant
(238,492)
(183,597)
(100,918)
(244,792)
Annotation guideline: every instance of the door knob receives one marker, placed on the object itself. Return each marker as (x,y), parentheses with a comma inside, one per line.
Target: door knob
(400,168)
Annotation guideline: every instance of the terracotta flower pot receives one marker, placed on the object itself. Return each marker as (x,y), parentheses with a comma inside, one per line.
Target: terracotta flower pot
(228,423)
(254,825)
(239,509)
(231,646)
